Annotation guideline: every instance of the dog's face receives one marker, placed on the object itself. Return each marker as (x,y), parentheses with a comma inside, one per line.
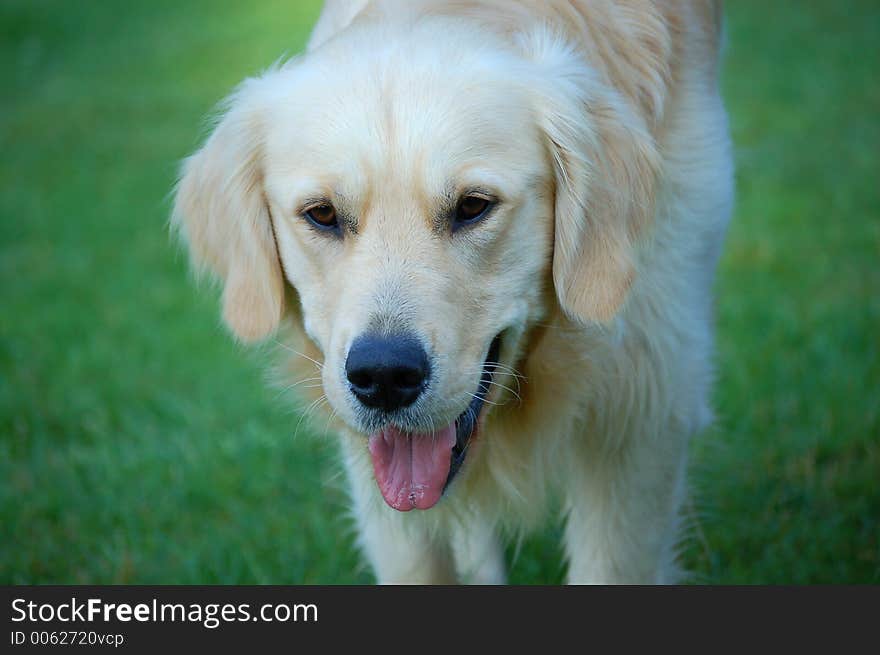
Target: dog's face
(416,232)
(418,208)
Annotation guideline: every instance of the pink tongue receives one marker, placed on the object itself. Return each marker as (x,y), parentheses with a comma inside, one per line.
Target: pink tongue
(411,469)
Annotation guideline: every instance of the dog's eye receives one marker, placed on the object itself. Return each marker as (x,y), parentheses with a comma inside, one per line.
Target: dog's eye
(470,209)
(322,216)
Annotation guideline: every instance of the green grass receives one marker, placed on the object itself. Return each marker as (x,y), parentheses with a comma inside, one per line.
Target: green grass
(138,444)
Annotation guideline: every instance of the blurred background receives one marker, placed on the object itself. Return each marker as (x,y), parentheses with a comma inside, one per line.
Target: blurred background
(139,444)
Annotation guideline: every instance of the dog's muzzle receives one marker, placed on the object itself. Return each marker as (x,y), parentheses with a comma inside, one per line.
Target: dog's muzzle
(414,469)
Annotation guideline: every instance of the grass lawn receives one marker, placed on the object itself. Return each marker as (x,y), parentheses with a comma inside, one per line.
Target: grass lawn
(138,444)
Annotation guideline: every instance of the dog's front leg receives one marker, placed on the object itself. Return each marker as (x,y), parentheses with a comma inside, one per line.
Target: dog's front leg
(623,513)
(479,556)
(401,547)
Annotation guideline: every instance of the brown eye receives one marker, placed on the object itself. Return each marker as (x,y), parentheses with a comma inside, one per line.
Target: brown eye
(322,216)
(471,209)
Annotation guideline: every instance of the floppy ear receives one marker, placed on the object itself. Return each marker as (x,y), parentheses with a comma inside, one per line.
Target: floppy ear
(221,211)
(605,167)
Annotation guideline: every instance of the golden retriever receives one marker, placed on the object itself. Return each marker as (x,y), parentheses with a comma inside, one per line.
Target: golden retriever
(490,229)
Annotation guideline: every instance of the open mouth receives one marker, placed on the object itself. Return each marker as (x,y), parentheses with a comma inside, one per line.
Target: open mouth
(466,423)
(413,470)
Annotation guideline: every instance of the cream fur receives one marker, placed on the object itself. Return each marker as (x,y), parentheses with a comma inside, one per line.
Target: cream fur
(600,127)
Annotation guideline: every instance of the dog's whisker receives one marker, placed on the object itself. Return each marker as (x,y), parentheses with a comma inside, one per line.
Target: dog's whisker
(512,372)
(485,400)
(560,328)
(519,380)
(312,406)
(506,370)
(515,392)
(320,365)
(303,381)
(492,383)
(329,421)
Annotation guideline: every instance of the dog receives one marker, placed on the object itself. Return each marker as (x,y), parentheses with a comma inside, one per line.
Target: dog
(489,229)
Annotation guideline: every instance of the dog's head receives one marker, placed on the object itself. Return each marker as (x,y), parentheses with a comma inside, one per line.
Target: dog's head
(429,204)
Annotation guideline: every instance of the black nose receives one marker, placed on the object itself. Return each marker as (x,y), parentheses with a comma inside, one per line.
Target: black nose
(387,372)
